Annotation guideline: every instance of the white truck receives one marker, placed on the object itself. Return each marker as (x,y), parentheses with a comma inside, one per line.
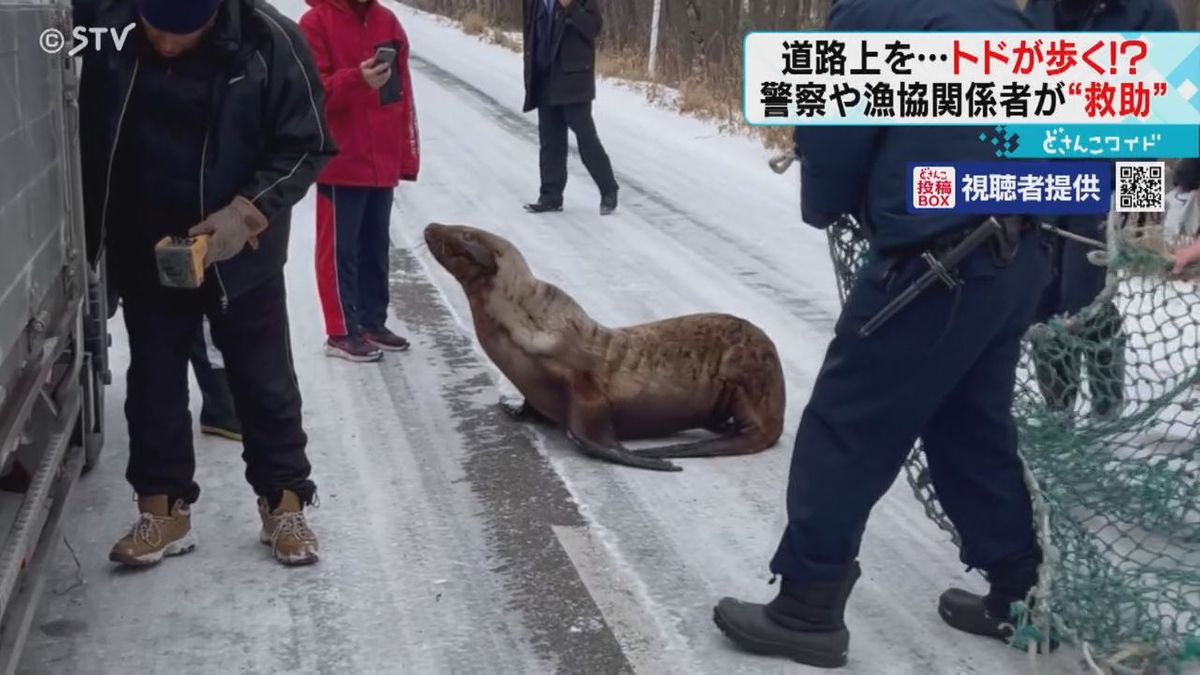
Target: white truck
(53,310)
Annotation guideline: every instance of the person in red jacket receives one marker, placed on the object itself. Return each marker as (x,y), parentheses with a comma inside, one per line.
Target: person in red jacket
(369,105)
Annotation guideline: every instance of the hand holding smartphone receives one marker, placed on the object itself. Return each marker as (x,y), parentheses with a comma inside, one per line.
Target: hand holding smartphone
(385,55)
(378,70)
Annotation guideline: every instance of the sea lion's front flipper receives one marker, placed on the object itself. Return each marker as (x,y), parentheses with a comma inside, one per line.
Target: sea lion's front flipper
(619,454)
(589,426)
(519,409)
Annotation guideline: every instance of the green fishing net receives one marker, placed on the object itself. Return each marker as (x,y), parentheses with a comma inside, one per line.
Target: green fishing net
(1107,406)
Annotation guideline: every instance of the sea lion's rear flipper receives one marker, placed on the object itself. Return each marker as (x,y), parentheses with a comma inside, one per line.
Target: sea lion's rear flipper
(735,444)
(619,454)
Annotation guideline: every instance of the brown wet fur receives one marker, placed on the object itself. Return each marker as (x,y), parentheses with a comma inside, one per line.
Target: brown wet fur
(606,385)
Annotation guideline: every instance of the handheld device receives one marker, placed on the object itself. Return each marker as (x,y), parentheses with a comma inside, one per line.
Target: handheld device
(385,55)
(181,261)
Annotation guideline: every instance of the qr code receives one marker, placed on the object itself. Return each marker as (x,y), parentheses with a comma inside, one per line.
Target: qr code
(1141,187)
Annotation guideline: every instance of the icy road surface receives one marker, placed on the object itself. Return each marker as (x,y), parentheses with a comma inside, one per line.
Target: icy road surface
(455,541)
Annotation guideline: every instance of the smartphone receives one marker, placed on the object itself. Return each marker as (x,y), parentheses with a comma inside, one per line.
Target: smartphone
(385,55)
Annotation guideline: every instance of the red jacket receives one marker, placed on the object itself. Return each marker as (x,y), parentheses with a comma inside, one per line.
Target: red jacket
(378,143)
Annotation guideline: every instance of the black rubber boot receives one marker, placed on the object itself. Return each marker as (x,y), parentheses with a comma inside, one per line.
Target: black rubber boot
(804,623)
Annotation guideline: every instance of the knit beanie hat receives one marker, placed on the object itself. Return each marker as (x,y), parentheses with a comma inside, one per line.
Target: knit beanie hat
(177,16)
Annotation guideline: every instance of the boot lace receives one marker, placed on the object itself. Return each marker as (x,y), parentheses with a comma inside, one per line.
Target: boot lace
(292,525)
(148,530)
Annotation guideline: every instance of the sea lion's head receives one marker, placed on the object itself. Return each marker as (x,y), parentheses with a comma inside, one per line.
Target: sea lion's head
(470,254)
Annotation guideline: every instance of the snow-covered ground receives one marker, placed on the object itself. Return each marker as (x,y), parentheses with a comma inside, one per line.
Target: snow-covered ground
(456,541)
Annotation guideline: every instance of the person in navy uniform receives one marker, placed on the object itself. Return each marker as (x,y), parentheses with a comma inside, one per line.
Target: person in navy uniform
(1099,346)
(942,370)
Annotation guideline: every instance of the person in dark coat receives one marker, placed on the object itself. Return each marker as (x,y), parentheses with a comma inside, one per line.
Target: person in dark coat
(560,82)
(1099,346)
(209,121)
(942,370)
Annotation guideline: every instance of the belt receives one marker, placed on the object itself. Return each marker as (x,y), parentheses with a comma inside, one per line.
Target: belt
(945,252)
(1014,227)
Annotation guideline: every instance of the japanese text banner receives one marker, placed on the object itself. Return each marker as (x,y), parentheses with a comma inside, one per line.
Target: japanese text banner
(947,78)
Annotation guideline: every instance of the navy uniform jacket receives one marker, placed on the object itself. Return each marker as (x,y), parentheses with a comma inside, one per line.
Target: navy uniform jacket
(1110,16)
(1077,282)
(862,170)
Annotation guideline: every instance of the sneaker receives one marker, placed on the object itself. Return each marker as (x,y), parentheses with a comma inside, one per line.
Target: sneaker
(352,348)
(159,532)
(543,207)
(286,531)
(385,340)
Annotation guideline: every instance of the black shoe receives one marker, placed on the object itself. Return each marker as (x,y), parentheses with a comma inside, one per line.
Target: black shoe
(217,415)
(980,615)
(804,623)
(608,204)
(224,425)
(969,613)
(989,615)
(543,207)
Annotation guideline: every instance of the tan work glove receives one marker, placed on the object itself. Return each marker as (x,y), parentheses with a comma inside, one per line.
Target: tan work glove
(230,229)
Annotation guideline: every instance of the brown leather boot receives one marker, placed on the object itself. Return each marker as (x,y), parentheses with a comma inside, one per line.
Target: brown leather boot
(287,532)
(159,532)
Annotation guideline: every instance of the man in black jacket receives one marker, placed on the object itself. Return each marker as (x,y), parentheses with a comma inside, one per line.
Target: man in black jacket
(208,121)
(560,81)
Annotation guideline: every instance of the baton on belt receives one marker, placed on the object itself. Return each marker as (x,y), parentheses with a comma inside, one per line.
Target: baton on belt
(939,270)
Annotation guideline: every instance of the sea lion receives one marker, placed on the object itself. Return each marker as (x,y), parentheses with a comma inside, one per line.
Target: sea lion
(606,385)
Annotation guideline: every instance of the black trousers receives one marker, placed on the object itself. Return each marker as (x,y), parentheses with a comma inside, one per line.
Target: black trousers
(252,335)
(942,370)
(353,249)
(553,123)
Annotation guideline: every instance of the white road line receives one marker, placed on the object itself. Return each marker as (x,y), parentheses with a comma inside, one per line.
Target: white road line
(633,628)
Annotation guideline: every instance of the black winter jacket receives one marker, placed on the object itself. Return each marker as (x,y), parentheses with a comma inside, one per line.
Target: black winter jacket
(267,137)
(862,170)
(573,33)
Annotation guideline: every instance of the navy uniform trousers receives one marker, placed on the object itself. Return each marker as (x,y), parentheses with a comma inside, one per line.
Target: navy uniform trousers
(942,370)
